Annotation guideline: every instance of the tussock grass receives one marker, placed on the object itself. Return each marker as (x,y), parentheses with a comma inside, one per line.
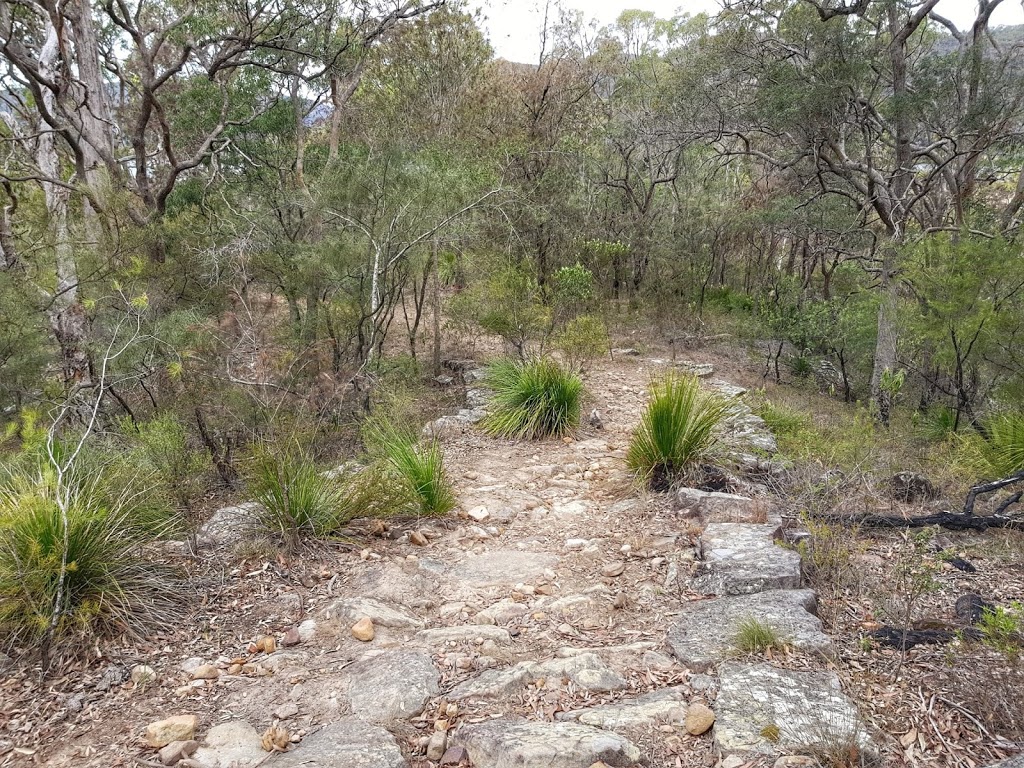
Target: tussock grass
(532,399)
(998,453)
(109,586)
(677,429)
(417,465)
(754,636)
(296,499)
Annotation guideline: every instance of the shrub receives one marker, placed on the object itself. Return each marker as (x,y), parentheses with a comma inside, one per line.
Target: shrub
(532,399)
(754,636)
(163,444)
(295,498)
(108,586)
(677,429)
(583,339)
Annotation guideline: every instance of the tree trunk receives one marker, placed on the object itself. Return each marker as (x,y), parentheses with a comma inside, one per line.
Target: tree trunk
(67,315)
(437,311)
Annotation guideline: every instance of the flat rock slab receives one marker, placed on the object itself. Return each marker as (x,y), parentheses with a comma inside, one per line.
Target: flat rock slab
(345,745)
(666,706)
(716,507)
(1010,762)
(464,633)
(742,558)
(352,609)
(505,743)
(704,632)
(800,712)
(235,743)
(502,568)
(586,670)
(392,685)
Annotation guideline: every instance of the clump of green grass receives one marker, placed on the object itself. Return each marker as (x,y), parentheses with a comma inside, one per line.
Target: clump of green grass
(782,420)
(997,453)
(79,570)
(754,636)
(295,498)
(418,466)
(677,429)
(532,399)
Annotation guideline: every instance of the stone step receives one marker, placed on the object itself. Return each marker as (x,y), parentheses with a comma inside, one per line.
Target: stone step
(704,632)
(743,558)
(506,743)
(766,710)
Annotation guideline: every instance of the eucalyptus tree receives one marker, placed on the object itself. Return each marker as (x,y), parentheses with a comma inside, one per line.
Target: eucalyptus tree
(861,102)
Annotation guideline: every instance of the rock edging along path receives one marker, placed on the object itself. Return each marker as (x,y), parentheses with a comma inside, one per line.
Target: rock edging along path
(536,632)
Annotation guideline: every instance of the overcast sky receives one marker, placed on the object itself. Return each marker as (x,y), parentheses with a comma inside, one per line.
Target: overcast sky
(513,26)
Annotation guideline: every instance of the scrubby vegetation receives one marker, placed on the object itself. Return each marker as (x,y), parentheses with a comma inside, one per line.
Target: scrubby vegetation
(533,399)
(677,430)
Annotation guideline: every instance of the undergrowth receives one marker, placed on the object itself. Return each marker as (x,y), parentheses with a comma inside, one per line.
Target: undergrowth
(676,431)
(109,586)
(533,399)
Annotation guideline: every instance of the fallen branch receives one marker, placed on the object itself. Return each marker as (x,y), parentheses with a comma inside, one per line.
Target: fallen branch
(995,485)
(953,521)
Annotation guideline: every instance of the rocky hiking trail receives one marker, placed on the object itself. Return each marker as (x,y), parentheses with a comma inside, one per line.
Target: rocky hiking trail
(564,619)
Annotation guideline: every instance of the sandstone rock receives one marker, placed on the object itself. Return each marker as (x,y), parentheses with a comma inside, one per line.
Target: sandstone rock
(176,728)
(586,670)
(392,685)
(177,750)
(796,761)
(704,630)
(611,570)
(717,507)
(205,672)
(291,638)
(417,538)
(665,706)
(911,486)
(699,718)
(234,743)
(113,675)
(349,744)
(479,514)
(363,630)
(436,746)
(503,743)
(143,674)
(464,633)
(502,568)
(229,525)
(455,756)
(741,558)
(802,711)
(287,710)
(307,630)
(351,609)
(191,664)
(1010,762)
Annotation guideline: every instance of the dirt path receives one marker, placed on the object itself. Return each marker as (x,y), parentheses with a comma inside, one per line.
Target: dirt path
(530,630)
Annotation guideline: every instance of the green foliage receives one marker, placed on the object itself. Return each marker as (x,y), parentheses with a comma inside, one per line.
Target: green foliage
(677,429)
(574,288)
(583,339)
(997,453)
(532,399)
(109,586)
(418,466)
(782,420)
(755,636)
(937,424)
(1001,629)
(296,499)
(163,444)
